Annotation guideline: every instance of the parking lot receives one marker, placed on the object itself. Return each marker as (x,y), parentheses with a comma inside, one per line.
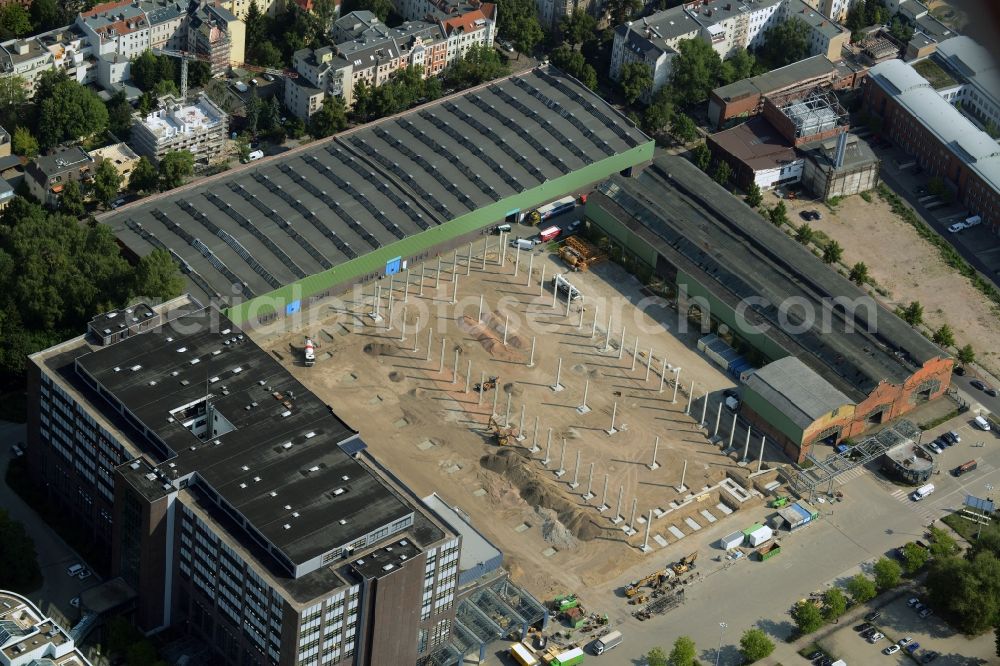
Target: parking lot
(899,621)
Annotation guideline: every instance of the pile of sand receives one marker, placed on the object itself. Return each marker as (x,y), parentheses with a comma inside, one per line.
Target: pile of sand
(537,492)
(489,335)
(378,348)
(553,531)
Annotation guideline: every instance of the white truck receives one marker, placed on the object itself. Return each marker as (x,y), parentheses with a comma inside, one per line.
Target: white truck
(922,492)
(608,642)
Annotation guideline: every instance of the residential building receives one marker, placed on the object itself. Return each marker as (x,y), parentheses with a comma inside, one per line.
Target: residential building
(47,175)
(239,508)
(214,32)
(64,49)
(121,156)
(239,8)
(370,51)
(552,12)
(4,142)
(835,9)
(728,25)
(29,638)
(771,298)
(944,142)
(199,128)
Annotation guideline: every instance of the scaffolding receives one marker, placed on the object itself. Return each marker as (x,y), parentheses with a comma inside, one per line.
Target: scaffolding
(816,113)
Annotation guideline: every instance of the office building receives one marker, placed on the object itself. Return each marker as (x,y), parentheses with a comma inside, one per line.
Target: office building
(231,500)
(29,638)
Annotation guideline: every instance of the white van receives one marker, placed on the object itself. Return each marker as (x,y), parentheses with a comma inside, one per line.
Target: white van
(922,492)
(981,423)
(255,155)
(973,221)
(608,642)
(522,244)
(74,570)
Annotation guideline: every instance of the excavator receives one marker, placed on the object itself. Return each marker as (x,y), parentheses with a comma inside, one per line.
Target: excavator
(652,580)
(503,435)
(489,385)
(685,564)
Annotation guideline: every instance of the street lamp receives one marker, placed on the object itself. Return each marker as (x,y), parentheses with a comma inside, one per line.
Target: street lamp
(722,630)
(989,489)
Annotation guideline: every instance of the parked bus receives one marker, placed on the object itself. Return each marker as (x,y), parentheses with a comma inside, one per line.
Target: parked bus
(556,207)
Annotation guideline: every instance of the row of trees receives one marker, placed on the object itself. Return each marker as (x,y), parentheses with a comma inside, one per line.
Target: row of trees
(754,646)
(19,570)
(41,15)
(272,40)
(966,587)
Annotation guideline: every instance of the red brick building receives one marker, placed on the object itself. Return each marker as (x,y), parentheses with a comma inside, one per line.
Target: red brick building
(945,143)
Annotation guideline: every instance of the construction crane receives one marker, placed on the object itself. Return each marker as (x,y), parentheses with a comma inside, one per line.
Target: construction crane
(185,56)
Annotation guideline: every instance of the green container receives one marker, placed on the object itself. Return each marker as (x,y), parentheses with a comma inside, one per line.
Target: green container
(776,550)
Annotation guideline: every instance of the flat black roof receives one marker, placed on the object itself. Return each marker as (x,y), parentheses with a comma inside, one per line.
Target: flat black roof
(727,247)
(271,223)
(288,445)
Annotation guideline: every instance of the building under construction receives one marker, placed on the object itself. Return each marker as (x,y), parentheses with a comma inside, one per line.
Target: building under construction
(799,137)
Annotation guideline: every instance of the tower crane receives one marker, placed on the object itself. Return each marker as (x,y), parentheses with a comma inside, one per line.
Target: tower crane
(185,56)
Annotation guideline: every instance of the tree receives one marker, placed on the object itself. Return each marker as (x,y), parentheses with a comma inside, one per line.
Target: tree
(723,172)
(573,63)
(785,43)
(695,70)
(635,79)
(67,110)
(741,65)
(156,276)
(656,657)
(856,19)
(19,570)
(900,29)
(701,156)
(380,8)
(145,177)
(914,558)
(683,652)
(120,115)
(480,64)
(145,70)
(944,336)
(620,11)
(659,112)
(861,588)
(527,34)
(13,93)
(683,127)
(755,645)
(942,544)
(912,314)
(834,603)
(252,115)
(330,119)
(242,149)
(887,574)
(45,15)
(779,214)
(966,355)
(967,589)
(859,273)
(107,182)
(807,617)
(71,199)
(832,252)
(175,166)
(14,21)
(23,143)
(754,195)
(804,234)
(578,27)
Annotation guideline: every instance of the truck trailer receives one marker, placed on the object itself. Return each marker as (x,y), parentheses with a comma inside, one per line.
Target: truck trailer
(608,642)
(568,658)
(523,655)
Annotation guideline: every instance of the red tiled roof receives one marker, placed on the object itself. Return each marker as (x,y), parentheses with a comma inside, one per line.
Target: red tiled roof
(466,21)
(97,10)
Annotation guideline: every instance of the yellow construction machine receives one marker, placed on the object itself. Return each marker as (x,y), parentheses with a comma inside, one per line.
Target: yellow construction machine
(502,435)
(686,564)
(652,580)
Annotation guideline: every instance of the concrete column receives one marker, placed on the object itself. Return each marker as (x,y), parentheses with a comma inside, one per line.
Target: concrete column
(402,325)
(548,447)
(732,432)
(584,408)
(663,374)
(388,314)
(568,301)
(649,364)
(677,382)
(656,445)
(406,286)
(454,372)
(377,302)
(579,323)
(614,413)
(454,263)
(517,261)
(441,364)
(454,288)
(593,328)
(531,357)
(486,247)
(682,487)
(746,446)
(531,260)
(468,375)
(604,497)
(607,338)
(534,438)
(391,277)
(541,282)
(482,382)
(423,267)
(635,353)
(496,396)
(631,521)
(468,264)
(557,386)
(576,472)
(506,320)
(618,512)
(562,461)
(520,426)
(687,410)
(645,542)
(555,294)
(621,345)
(506,416)
(704,409)
(589,495)
(760,459)
(479,316)
(430,336)
(437,275)
(718,418)
(416,335)
(503,250)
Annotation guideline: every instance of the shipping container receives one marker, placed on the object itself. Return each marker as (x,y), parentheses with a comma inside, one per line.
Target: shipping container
(549,233)
(522,655)
(569,658)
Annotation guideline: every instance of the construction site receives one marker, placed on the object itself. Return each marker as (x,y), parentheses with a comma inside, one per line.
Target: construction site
(567,416)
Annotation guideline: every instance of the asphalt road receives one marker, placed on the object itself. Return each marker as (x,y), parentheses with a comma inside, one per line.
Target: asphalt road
(54,555)
(964,384)
(874,517)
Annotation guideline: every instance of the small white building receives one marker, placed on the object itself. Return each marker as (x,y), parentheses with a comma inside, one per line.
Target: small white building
(758,534)
(730,541)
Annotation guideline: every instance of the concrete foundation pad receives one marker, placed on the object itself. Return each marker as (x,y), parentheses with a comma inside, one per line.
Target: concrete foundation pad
(723,508)
(628,531)
(549,552)
(425,445)
(603,508)
(611,432)
(523,527)
(640,520)
(616,520)
(400,423)
(574,486)
(692,524)
(660,540)
(676,532)
(559,473)
(653,467)
(479,492)
(582,409)
(588,496)
(707,515)
(646,548)
(557,387)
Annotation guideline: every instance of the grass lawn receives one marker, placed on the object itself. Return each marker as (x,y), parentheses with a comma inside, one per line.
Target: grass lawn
(963,526)
(936,76)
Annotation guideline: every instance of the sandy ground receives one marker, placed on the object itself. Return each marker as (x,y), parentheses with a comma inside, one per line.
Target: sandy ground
(434,434)
(910,269)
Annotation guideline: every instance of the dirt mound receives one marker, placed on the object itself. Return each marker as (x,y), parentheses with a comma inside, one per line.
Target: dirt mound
(490,337)
(395,376)
(376,348)
(517,469)
(513,389)
(553,531)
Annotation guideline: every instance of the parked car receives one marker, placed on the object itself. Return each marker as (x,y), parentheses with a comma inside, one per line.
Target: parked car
(911,602)
(935,447)
(818,654)
(892,649)
(874,615)
(16,450)
(953,437)
(75,602)
(84,575)
(74,570)
(955,228)
(929,657)
(917,607)
(978,384)
(990,391)
(861,627)
(876,637)
(903,642)
(926,612)
(912,647)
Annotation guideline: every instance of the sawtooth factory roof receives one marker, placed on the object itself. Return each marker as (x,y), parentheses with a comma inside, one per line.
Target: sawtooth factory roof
(271,223)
